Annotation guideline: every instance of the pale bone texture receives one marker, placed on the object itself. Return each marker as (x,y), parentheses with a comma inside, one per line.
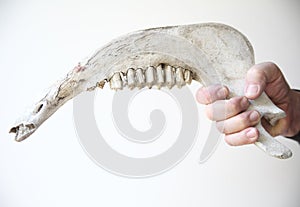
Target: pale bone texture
(210,53)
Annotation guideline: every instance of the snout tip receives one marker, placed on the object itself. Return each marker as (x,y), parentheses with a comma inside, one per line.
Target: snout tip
(22,131)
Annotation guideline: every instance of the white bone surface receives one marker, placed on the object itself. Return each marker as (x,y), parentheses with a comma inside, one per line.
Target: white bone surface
(214,53)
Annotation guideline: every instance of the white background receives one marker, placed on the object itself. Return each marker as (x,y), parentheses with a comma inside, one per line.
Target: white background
(40,41)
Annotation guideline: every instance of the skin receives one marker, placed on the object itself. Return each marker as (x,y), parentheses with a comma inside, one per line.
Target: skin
(237,124)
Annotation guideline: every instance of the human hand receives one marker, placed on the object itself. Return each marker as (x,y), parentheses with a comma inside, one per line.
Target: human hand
(236,123)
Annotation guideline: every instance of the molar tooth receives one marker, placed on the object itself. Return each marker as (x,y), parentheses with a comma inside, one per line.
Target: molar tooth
(140,78)
(124,79)
(160,76)
(130,78)
(170,80)
(116,82)
(179,77)
(150,76)
(188,76)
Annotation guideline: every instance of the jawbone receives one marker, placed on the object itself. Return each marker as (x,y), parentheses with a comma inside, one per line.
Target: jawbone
(208,53)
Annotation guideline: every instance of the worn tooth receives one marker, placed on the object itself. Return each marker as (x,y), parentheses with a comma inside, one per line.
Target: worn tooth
(124,79)
(160,76)
(150,76)
(116,82)
(130,78)
(187,76)
(101,84)
(170,79)
(179,77)
(140,78)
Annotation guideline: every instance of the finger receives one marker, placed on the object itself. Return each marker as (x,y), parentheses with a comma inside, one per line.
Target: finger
(239,122)
(259,76)
(246,136)
(224,109)
(210,94)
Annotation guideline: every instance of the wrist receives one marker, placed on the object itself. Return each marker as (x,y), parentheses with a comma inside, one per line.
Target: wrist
(296,108)
(295,113)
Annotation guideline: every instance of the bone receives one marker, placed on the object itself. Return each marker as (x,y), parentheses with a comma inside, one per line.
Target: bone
(130,78)
(150,76)
(160,76)
(116,82)
(140,78)
(170,79)
(187,76)
(179,77)
(218,53)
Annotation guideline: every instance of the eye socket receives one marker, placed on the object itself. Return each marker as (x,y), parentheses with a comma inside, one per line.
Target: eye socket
(38,108)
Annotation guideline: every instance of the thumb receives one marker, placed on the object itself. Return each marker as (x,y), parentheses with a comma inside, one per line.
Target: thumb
(258,76)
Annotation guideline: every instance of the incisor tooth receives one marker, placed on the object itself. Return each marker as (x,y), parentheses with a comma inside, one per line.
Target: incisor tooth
(160,76)
(179,77)
(170,81)
(140,78)
(116,82)
(150,76)
(187,76)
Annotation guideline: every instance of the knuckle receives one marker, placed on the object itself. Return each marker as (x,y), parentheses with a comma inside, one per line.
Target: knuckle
(256,71)
(222,92)
(244,119)
(210,94)
(221,126)
(200,95)
(234,105)
(256,68)
(270,64)
(209,112)
(204,95)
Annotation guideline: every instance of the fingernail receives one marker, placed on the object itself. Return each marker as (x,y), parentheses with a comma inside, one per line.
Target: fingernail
(252,90)
(251,134)
(254,116)
(222,93)
(244,102)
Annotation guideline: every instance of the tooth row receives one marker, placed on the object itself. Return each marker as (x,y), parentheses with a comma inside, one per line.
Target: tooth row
(162,75)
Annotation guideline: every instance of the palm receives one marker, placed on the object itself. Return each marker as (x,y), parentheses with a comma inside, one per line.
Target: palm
(279,92)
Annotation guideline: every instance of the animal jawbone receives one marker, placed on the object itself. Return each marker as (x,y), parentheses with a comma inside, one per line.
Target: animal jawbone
(163,57)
